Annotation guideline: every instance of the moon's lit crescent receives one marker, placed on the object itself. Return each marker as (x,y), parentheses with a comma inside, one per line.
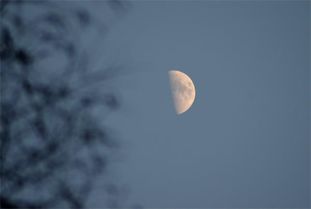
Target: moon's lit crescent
(183,90)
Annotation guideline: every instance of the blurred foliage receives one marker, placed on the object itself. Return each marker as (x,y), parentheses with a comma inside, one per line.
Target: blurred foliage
(53,142)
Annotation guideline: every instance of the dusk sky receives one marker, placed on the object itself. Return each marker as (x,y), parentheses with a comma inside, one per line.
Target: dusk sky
(245,142)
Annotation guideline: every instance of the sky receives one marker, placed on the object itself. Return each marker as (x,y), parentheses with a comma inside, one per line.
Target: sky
(245,142)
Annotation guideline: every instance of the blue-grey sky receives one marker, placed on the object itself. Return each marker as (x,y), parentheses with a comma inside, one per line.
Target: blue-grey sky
(245,142)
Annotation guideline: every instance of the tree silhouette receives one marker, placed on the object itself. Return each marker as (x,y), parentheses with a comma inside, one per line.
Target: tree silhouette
(53,142)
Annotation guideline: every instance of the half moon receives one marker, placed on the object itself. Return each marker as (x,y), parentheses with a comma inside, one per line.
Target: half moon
(183,90)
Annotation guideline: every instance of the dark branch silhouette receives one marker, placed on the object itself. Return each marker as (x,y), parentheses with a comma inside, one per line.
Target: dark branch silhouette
(53,142)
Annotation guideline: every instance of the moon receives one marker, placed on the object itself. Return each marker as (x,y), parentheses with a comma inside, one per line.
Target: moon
(183,90)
